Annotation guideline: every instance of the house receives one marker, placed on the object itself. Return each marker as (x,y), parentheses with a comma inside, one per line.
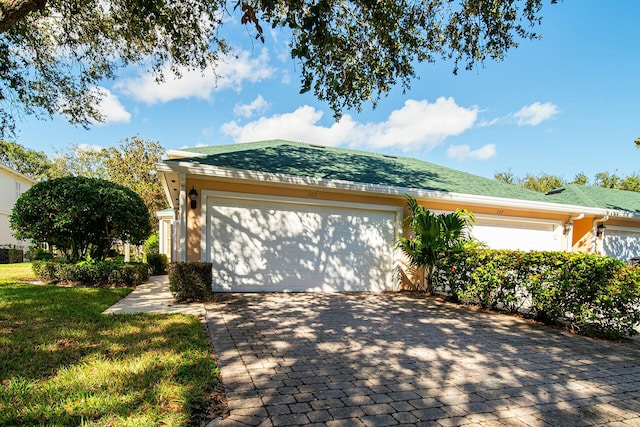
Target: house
(281,215)
(12,185)
(615,232)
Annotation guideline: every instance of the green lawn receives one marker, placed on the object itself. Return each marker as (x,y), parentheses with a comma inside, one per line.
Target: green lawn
(64,363)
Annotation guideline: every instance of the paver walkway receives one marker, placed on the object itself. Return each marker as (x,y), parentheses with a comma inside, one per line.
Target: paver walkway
(390,359)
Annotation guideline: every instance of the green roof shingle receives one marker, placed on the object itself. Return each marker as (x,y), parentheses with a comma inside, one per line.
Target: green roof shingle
(307,160)
(596,197)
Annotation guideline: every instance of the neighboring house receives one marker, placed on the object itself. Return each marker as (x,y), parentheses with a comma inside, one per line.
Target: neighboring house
(12,185)
(280,215)
(615,232)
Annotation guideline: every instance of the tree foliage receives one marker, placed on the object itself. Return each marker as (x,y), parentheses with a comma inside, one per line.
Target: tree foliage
(54,54)
(29,162)
(80,160)
(80,216)
(133,165)
(434,237)
(545,182)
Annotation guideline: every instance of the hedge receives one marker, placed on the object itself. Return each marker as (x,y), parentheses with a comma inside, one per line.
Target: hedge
(158,263)
(190,281)
(591,294)
(101,273)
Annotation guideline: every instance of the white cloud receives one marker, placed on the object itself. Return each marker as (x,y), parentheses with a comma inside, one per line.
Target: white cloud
(110,107)
(418,125)
(300,125)
(257,106)
(231,73)
(536,113)
(463,152)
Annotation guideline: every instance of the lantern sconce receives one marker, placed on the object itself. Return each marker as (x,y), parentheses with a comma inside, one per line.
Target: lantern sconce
(193,196)
(600,230)
(568,226)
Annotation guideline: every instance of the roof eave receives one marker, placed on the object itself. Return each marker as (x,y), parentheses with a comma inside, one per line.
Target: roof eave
(262,178)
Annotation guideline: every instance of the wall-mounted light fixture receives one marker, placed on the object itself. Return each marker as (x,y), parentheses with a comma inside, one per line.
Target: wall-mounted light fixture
(193,196)
(568,226)
(600,230)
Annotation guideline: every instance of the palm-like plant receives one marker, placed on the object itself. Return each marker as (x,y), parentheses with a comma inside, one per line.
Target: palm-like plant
(434,237)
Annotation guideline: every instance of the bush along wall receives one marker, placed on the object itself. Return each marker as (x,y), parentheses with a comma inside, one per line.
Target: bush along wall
(98,274)
(190,281)
(158,263)
(590,294)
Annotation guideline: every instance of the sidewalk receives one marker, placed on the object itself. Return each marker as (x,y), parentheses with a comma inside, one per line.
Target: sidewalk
(154,297)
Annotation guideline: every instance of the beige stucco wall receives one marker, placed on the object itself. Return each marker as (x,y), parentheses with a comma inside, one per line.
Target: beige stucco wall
(12,185)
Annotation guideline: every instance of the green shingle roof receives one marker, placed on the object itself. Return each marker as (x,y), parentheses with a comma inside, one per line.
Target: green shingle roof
(596,197)
(307,160)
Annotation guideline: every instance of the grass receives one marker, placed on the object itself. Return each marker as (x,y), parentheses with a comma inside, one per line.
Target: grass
(20,272)
(64,363)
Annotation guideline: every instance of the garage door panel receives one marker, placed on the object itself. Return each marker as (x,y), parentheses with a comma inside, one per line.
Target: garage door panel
(270,246)
(519,235)
(621,244)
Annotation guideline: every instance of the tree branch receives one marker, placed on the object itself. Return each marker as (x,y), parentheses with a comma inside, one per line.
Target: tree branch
(12,11)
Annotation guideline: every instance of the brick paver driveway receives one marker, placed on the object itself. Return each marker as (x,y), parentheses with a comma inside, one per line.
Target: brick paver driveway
(390,359)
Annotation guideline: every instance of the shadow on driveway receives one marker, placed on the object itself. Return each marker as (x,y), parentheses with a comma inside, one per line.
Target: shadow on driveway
(387,359)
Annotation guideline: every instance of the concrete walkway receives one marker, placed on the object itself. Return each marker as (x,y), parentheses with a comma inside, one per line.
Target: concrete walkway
(153,297)
(390,359)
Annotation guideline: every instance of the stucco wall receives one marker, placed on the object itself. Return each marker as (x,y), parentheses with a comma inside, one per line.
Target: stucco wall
(12,185)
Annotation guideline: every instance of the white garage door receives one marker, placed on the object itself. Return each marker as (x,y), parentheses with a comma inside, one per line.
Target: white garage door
(519,235)
(266,245)
(623,244)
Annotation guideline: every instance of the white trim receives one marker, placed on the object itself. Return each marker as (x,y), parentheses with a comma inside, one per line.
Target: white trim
(621,228)
(264,178)
(204,221)
(183,217)
(182,154)
(518,219)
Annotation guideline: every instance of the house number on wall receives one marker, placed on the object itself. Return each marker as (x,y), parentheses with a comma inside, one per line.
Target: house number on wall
(312,195)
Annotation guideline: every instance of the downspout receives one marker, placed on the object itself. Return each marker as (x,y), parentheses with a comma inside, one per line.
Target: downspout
(596,249)
(569,231)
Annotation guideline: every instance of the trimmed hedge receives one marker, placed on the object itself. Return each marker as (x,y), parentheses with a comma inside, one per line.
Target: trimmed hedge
(190,281)
(158,263)
(591,294)
(11,256)
(101,273)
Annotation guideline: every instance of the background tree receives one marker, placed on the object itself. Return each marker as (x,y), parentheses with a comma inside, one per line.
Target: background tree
(54,54)
(29,162)
(80,216)
(433,237)
(541,183)
(80,160)
(545,182)
(133,165)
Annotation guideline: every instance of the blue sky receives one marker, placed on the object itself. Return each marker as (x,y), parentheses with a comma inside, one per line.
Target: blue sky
(565,104)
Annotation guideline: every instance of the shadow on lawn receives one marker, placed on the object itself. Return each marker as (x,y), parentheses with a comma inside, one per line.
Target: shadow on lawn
(62,361)
(441,360)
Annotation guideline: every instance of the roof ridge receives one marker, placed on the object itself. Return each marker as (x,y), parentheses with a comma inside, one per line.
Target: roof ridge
(589,201)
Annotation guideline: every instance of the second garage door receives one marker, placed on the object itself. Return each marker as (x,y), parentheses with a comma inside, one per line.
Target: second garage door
(621,243)
(279,245)
(514,234)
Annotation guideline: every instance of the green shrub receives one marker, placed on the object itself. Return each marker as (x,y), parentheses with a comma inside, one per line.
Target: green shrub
(190,281)
(590,293)
(158,263)
(98,274)
(152,244)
